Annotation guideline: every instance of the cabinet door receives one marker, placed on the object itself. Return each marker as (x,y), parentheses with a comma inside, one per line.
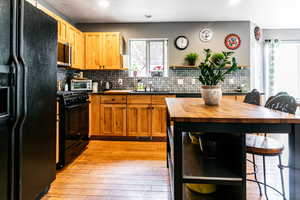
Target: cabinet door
(71,39)
(231,97)
(62,31)
(93,51)
(139,120)
(81,49)
(111,50)
(77,50)
(95,110)
(113,119)
(240,98)
(159,120)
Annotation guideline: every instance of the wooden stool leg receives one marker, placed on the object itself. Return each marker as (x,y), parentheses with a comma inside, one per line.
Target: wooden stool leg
(281,175)
(255,176)
(265,181)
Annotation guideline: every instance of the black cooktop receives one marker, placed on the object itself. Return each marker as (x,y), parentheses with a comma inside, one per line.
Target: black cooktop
(71,93)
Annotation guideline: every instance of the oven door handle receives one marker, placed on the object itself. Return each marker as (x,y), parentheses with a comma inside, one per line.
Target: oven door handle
(77,105)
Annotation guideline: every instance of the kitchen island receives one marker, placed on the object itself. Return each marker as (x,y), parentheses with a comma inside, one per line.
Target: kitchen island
(230,122)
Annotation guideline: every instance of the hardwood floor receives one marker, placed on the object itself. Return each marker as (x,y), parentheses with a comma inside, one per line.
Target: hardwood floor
(113,170)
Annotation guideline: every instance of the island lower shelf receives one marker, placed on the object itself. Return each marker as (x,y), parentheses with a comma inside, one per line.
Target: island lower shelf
(199,170)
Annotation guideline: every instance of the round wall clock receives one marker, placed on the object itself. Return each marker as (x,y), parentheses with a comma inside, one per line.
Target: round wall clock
(257,33)
(232,41)
(206,34)
(181,42)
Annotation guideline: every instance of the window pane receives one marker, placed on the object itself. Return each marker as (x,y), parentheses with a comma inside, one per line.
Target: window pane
(138,61)
(156,60)
(287,73)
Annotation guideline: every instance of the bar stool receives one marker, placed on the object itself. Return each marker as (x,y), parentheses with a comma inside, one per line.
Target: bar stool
(265,146)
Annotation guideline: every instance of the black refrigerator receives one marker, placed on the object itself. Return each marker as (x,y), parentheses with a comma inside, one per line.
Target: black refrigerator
(28,56)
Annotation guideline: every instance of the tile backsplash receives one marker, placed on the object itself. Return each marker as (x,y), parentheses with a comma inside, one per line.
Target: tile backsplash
(64,75)
(170,83)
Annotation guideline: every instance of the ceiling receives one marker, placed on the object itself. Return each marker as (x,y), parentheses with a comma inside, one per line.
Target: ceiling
(266,13)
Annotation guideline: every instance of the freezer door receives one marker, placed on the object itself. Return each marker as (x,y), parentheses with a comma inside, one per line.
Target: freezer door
(38,136)
(7,50)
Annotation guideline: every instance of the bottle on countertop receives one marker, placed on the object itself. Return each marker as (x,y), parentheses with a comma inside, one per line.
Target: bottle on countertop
(95,87)
(66,87)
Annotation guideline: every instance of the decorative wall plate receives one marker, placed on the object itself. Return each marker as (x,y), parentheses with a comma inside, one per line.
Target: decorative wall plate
(257,33)
(232,41)
(181,42)
(206,34)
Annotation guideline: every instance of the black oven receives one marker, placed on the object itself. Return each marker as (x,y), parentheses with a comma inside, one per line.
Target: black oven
(74,126)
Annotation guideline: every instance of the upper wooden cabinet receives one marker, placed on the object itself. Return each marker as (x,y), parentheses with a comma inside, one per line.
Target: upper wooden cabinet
(103,51)
(77,43)
(111,50)
(93,50)
(62,31)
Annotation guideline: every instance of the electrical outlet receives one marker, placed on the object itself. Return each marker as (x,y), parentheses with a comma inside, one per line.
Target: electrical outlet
(180,81)
(193,81)
(120,81)
(231,81)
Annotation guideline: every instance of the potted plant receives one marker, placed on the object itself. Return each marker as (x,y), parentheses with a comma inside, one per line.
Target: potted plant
(191,58)
(212,71)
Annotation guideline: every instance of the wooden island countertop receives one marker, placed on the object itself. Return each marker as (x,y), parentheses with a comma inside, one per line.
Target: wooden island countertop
(194,110)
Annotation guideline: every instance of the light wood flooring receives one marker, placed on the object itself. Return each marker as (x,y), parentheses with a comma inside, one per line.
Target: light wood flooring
(113,170)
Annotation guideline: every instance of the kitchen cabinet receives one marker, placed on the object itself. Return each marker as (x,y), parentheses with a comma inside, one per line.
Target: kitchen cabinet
(94,115)
(113,120)
(158,120)
(103,51)
(77,42)
(66,33)
(239,98)
(62,30)
(159,115)
(128,115)
(111,50)
(93,51)
(139,120)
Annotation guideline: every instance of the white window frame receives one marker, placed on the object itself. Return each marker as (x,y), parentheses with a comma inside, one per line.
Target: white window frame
(148,41)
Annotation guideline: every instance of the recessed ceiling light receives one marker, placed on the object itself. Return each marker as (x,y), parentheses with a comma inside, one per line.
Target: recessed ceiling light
(148,15)
(234,2)
(104,3)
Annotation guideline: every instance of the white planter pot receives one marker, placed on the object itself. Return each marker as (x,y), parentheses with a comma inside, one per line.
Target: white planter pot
(211,95)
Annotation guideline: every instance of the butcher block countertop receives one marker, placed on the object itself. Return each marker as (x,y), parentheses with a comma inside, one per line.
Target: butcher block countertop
(230,111)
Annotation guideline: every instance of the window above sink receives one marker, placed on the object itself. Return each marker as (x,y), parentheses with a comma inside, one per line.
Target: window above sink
(148,57)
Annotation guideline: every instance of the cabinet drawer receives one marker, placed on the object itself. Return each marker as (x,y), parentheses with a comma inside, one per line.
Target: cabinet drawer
(160,99)
(139,99)
(113,99)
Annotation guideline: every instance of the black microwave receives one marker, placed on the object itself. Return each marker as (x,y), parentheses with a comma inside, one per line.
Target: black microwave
(64,54)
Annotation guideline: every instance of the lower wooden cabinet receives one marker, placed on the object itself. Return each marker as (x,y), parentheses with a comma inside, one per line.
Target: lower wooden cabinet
(95,109)
(239,98)
(139,120)
(113,120)
(133,116)
(159,120)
